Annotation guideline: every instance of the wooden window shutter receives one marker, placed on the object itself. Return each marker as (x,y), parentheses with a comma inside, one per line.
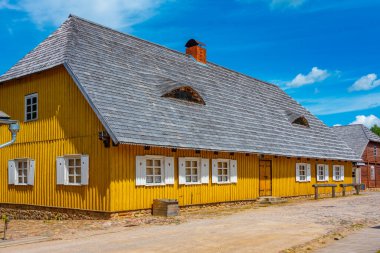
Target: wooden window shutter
(140,170)
(233,171)
(308,173)
(85,169)
(205,171)
(31,172)
(169,170)
(61,170)
(297,172)
(11,172)
(181,170)
(342,173)
(326,172)
(214,171)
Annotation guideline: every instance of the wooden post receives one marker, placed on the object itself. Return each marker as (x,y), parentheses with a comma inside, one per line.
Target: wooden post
(344,191)
(333,191)
(357,188)
(316,192)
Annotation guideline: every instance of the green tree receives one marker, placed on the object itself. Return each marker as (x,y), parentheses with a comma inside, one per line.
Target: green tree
(376,129)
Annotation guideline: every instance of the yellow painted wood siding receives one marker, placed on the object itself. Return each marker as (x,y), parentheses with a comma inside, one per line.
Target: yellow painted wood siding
(66,125)
(125,195)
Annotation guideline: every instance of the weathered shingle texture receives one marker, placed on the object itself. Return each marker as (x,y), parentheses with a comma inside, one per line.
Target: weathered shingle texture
(356,136)
(124,78)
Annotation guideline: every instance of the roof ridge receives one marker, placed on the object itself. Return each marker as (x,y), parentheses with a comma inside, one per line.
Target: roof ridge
(167,48)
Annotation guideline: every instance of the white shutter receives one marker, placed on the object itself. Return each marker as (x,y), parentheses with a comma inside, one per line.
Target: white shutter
(298,172)
(60,170)
(214,171)
(140,170)
(11,172)
(205,171)
(334,174)
(31,172)
(342,172)
(233,171)
(169,170)
(308,169)
(84,169)
(182,170)
(326,172)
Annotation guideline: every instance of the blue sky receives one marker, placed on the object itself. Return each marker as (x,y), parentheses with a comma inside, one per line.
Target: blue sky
(325,54)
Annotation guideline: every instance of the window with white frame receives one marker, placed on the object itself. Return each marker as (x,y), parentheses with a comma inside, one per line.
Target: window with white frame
(154,170)
(303,172)
(322,172)
(73,170)
(374,151)
(21,171)
(193,170)
(31,107)
(338,173)
(224,171)
(372,173)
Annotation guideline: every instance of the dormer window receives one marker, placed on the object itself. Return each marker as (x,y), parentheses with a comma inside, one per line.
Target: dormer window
(186,93)
(297,119)
(301,121)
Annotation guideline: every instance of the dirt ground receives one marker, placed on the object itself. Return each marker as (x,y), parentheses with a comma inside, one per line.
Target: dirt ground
(298,226)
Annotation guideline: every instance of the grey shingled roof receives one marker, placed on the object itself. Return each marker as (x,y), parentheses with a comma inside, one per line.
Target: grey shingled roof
(123,79)
(356,136)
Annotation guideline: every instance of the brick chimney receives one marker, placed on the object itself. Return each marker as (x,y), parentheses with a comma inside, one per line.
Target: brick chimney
(195,49)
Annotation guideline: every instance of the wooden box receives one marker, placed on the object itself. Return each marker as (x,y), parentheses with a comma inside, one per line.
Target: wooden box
(165,207)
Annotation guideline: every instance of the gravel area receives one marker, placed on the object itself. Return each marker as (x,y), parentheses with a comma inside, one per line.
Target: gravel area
(298,226)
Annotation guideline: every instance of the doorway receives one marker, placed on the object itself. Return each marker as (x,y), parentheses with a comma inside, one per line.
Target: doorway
(265,178)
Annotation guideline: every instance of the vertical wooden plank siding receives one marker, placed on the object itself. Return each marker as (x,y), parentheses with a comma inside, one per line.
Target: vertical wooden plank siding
(125,195)
(66,125)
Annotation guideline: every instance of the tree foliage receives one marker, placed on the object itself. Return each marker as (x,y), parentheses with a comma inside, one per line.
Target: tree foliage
(376,129)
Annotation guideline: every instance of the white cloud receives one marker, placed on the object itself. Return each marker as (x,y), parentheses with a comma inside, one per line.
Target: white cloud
(315,75)
(368,121)
(367,82)
(333,105)
(335,125)
(275,4)
(113,13)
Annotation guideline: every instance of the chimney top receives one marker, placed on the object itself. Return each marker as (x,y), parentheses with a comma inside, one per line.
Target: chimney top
(196,50)
(193,42)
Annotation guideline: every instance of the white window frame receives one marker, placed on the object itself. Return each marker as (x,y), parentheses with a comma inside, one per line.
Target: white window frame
(339,168)
(372,175)
(167,170)
(232,171)
(374,151)
(13,171)
(62,172)
(30,96)
(307,173)
(67,169)
(325,169)
(17,175)
(193,159)
(162,169)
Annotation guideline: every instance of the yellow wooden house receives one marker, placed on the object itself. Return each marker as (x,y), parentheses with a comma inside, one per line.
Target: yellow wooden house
(110,122)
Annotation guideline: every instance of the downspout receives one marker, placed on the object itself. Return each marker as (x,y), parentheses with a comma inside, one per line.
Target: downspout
(14,127)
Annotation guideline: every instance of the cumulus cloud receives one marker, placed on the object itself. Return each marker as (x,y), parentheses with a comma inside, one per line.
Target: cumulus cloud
(369,121)
(367,82)
(113,13)
(315,75)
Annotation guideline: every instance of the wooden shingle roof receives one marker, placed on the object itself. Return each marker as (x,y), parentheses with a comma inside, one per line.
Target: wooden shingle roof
(123,78)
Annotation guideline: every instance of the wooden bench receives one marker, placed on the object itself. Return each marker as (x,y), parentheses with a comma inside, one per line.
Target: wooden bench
(356,186)
(316,186)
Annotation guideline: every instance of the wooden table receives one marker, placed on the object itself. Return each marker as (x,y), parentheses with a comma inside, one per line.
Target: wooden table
(316,186)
